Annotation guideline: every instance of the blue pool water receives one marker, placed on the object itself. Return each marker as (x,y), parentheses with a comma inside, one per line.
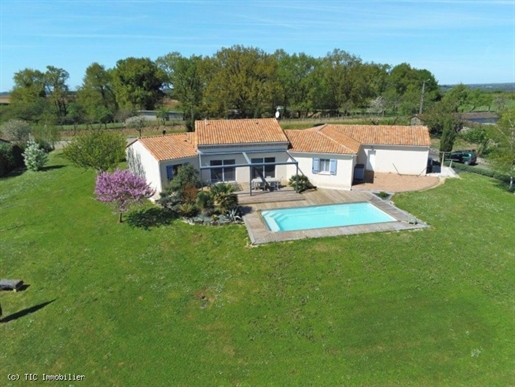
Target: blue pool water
(335,215)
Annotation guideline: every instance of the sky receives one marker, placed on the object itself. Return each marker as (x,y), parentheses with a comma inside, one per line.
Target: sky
(458,41)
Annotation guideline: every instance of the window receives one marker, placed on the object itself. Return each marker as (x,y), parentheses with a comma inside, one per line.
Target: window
(171,170)
(223,173)
(324,166)
(263,170)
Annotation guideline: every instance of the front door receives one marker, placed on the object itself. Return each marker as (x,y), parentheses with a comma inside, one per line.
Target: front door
(371,160)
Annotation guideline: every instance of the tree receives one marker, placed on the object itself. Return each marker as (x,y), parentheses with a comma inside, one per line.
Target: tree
(459,96)
(477,135)
(17,130)
(337,76)
(96,94)
(137,83)
(28,96)
(449,134)
(35,158)
(76,114)
(136,122)
(443,121)
(96,149)
(57,91)
(478,98)
(242,81)
(186,79)
(404,86)
(122,189)
(503,154)
(296,76)
(162,114)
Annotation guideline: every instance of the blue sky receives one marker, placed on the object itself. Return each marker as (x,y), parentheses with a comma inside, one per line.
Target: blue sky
(459,41)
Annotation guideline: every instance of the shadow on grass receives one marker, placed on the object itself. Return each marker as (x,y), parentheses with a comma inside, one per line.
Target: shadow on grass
(25,312)
(52,167)
(150,217)
(16,172)
(20,289)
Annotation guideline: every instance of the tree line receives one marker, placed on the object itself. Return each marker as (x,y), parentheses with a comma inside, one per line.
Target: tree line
(234,82)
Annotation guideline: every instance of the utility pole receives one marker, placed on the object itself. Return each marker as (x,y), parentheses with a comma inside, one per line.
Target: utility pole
(422,96)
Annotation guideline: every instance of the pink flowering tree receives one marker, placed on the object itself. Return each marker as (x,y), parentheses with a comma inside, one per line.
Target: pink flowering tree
(122,189)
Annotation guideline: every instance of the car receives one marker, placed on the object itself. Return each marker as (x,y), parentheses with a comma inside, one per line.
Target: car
(463,156)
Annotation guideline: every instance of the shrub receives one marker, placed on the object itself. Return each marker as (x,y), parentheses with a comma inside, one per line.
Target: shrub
(170,202)
(17,130)
(480,171)
(181,186)
(35,157)
(223,196)
(205,202)
(301,181)
(96,149)
(7,160)
(383,195)
(188,210)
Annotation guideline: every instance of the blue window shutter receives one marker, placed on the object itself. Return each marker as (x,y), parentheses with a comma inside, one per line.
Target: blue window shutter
(169,172)
(316,165)
(333,167)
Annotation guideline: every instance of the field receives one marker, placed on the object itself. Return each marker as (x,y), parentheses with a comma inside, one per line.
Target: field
(189,305)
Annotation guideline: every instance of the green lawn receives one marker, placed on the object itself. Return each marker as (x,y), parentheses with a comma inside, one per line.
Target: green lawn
(183,305)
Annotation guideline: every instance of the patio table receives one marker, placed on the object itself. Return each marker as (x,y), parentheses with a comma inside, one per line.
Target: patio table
(273,183)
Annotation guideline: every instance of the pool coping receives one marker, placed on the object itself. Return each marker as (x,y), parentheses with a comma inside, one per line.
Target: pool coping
(260,234)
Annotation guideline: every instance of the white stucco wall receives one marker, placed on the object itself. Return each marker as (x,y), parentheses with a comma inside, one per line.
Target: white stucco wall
(148,165)
(405,160)
(341,180)
(154,171)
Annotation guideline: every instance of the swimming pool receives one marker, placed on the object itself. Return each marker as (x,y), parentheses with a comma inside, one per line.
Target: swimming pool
(334,215)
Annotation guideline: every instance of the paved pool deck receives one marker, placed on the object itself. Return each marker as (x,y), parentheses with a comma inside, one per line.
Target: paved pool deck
(259,232)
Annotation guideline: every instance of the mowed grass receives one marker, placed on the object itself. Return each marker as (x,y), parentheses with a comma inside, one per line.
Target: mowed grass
(197,306)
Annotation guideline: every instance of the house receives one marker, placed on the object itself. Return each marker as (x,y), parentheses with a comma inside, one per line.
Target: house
(151,115)
(251,150)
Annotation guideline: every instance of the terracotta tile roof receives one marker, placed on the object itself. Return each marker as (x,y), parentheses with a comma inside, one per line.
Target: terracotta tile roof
(346,139)
(248,131)
(314,141)
(385,134)
(336,139)
(171,146)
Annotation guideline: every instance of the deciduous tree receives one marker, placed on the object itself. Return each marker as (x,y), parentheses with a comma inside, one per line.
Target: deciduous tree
(96,93)
(242,80)
(122,189)
(186,79)
(404,88)
(137,83)
(503,154)
(28,96)
(136,122)
(296,76)
(57,91)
